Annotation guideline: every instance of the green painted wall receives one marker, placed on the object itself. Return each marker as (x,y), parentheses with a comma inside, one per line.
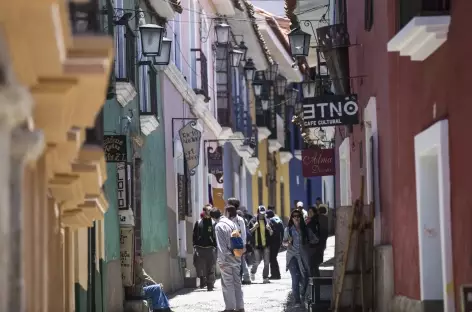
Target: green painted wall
(154,191)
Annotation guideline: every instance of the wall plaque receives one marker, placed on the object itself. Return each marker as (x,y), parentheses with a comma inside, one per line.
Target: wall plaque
(115,148)
(190,138)
(126,255)
(122,186)
(215,162)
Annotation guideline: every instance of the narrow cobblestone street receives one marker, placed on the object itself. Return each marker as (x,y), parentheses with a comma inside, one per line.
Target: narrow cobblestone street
(258,297)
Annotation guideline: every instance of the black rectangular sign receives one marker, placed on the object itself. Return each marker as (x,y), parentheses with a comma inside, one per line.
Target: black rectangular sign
(330,110)
(115,148)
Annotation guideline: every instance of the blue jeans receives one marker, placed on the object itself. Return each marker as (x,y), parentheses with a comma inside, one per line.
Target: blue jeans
(298,280)
(157,296)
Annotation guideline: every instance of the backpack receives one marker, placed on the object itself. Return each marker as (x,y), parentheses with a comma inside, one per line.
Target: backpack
(237,243)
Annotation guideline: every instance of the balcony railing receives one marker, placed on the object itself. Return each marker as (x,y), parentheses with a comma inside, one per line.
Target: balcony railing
(411,8)
(203,88)
(84,16)
(94,136)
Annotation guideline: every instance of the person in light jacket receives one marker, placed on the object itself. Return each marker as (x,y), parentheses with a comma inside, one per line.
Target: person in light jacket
(230,265)
(261,234)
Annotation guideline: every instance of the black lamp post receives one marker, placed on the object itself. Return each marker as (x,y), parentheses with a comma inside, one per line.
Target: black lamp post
(164,57)
(249,69)
(291,96)
(151,39)
(243,48)
(235,57)
(309,88)
(222,33)
(258,82)
(299,42)
(280,85)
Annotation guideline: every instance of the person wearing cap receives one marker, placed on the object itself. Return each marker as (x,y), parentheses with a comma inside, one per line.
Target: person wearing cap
(300,207)
(204,247)
(230,265)
(261,235)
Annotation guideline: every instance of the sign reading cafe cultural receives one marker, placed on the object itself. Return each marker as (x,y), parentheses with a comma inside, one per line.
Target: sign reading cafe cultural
(318,162)
(190,139)
(330,110)
(115,148)
(215,162)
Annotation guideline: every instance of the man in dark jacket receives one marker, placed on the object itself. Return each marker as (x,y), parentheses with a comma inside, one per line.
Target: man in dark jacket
(261,233)
(275,242)
(204,246)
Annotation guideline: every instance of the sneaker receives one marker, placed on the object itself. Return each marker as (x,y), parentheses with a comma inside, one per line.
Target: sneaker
(253,277)
(274,277)
(246,282)
(265,281)
(297,305)
(210,288)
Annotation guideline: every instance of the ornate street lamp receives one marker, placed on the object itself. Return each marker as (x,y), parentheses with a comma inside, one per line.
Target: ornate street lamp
(151,39)
(222,33)
(280,85)
(249,69)
(291,96)
(265,104)
(164,57)
(258,82)
(272,71)
(299,42)
(236,57)
(309,88)
(243,48)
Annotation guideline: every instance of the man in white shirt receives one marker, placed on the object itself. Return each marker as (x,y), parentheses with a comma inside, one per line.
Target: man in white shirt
(304,212)
(241,225)
(229,264)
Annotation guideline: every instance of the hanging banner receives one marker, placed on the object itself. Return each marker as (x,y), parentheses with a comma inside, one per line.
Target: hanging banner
(318,162)
(330,110)
(181,196)
(215,162)
(218,199)
(122,184)
(114,147)
(190,139)
(126,255)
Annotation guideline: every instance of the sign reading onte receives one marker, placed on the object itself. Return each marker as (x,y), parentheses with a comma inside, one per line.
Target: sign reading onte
(330,110)
(318,162)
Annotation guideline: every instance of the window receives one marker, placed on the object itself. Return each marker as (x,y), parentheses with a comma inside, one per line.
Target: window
(148,97)
(192,26)
(260,185)
(223,85)
(125,66)
(368,14)
(202,86)
(411,8)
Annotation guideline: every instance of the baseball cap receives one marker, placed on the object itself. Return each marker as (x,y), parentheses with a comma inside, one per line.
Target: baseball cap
(300,204)
(261,209)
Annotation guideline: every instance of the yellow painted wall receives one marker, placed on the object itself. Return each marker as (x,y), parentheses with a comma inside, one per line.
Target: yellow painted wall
(261,171)
(81,254)
(282,174)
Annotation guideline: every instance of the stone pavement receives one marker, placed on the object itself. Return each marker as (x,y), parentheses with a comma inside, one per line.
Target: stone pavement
(258,297)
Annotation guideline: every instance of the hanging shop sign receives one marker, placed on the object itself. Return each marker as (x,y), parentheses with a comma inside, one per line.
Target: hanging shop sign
(181,196)
(330,110)
(318,162)
(215,162)
(218,199)
(190,139)
(115,148)
(122,185)
(126,255)
(272,120)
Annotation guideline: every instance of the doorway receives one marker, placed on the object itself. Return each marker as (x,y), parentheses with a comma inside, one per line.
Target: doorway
(434,216)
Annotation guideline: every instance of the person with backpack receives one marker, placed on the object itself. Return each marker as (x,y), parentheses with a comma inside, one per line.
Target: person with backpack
(296,239)
(230,249)
(204,246)
(275,243)
(240,222)
(261,234)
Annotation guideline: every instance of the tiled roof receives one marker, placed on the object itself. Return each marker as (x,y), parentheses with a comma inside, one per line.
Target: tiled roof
(290,6)
(251,12)
(176,6)
(238,5)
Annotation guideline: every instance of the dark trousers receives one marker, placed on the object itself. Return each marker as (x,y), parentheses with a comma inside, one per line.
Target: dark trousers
(274,264)
(316,258)
(204,261)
